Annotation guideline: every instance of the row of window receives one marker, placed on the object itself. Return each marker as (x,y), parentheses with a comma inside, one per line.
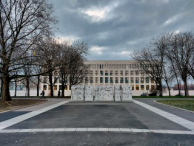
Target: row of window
(118,80)
(114,66)
(134,87)
(55,87)
(116,72)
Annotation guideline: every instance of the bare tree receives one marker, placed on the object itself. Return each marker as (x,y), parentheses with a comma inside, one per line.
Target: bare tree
(21,22)
(72,65)
(49,50)
(152,61)
(180,52)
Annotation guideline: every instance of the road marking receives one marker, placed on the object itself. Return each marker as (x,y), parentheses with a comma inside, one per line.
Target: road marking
(181,121)
(21,118)
(120,130)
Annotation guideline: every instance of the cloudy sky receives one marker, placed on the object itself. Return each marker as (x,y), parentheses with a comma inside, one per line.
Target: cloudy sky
(115,28)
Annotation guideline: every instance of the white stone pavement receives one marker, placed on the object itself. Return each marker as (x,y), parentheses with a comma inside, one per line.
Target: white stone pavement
(21,118)
(181,121)
(174,118)
(121,130)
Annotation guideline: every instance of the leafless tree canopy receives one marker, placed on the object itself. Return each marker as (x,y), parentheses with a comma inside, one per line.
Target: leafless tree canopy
(168,56)
(21,23)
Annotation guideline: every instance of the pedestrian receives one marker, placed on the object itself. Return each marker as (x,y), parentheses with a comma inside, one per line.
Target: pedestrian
(59,94)
(43,94)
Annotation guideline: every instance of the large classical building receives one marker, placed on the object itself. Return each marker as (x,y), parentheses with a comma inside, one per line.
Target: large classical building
(115,73)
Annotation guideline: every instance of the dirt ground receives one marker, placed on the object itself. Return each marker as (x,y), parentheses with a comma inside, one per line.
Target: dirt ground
(19,103)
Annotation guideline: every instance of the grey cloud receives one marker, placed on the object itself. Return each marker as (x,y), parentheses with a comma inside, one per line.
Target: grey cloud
(129,25)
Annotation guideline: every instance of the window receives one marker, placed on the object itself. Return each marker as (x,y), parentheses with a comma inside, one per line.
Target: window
(111,73)
(96,80)
(147,80)
(152,80)
(137,80)
(147,87)
(65,88)
(91,79)
(126,80)
(142,79)
(86,72)
(91,72)
(121,79)
(101,72)
(126,73)
(142,73)
(137,73)
(111,79)
(106,79)
(96,72)
(116,73)
(132,87)
(137,87)
(101,79)
(116,79)
(106,73)
(86,80)
(152,87)
(121,73)
(132,73)
(44,87)
(142,87)
(132,79)
(55,87)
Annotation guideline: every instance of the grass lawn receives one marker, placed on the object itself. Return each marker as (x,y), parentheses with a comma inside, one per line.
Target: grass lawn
(162,97)
(184,104)
(19,103)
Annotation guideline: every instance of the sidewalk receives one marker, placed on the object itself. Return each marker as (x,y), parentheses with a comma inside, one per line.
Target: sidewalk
(173,110)
(50,101)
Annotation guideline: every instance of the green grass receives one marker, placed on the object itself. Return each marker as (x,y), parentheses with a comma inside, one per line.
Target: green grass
(162,97)
(184,104)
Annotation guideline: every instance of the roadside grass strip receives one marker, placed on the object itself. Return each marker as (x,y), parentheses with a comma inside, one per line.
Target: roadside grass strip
(184,104)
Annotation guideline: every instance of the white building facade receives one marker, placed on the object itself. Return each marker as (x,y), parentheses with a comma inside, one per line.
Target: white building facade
(114,73)
(119,73)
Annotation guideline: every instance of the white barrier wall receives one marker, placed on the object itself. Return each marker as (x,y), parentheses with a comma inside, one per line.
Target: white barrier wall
(34,93)
(68,92)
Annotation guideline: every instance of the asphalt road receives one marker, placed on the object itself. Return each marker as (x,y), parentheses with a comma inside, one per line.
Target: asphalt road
(95,139)
(98,115)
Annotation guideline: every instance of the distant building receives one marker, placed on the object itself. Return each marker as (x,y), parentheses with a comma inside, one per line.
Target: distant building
(113,73)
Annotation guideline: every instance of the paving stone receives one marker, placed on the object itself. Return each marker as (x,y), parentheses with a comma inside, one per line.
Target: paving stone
(81,129)
(102,129)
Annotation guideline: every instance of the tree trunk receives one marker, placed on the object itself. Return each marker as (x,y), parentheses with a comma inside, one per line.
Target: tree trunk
(178,86)
(160,89)
(51,83)
(37,86)
(62,86)
(186,87)
(28,86)
(15,88)
(5,91)
(1,86)
(168,87)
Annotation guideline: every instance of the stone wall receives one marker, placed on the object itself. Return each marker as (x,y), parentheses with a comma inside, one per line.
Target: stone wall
(101,93)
